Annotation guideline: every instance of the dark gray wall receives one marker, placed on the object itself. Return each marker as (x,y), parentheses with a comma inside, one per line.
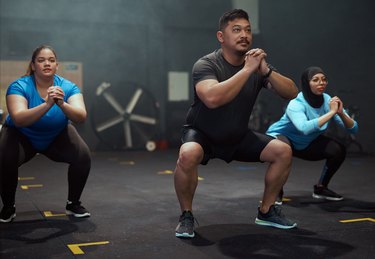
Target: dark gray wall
(118,41)
(140,41)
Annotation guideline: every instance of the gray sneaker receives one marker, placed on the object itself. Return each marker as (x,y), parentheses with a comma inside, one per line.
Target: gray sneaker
(274,218)
(185,227)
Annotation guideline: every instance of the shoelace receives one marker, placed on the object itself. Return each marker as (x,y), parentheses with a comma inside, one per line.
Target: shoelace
(278,211)
(185,222)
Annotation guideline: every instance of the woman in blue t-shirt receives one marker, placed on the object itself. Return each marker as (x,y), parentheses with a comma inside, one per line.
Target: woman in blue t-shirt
(41,106)
(306,119)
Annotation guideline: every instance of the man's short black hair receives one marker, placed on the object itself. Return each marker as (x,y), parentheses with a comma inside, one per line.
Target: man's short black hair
(230,16)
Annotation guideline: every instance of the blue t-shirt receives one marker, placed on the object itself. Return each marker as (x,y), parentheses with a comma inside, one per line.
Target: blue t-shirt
(300,122)
(44,131)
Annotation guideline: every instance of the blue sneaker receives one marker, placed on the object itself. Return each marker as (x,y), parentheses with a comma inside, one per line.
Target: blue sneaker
(274,218)
(185,227)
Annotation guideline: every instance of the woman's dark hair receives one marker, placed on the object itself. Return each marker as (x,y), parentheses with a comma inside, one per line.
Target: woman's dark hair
(230,16)
(36,52)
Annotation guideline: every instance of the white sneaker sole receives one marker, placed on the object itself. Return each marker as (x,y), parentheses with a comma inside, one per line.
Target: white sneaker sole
(71,213)
(317,196)
(272,224)
(185,235)
(9,219)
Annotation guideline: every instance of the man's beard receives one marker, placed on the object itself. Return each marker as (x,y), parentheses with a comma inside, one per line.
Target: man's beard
(241,53)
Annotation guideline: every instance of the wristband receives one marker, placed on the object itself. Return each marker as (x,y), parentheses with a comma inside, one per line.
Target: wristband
(269,72)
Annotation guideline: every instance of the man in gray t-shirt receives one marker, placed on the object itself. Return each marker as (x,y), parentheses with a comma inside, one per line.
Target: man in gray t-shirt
(226,85)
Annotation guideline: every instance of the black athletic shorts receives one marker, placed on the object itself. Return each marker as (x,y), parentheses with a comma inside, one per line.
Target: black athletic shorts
(246,150)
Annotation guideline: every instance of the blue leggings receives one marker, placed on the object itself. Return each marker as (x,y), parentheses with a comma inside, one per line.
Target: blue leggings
(68,147)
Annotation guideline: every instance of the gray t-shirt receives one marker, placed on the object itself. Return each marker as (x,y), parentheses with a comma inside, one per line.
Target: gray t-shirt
(229,123)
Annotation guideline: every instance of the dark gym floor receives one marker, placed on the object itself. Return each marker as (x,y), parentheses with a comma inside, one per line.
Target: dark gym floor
(134,211)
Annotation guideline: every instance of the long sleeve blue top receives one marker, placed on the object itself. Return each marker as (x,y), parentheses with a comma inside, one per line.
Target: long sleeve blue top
(300,122)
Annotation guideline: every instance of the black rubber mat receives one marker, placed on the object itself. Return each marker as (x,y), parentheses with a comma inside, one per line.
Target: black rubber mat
(134,211)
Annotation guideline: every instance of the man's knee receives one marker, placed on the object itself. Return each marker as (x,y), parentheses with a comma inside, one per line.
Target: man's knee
(191,154)
(284,151)
(277,150)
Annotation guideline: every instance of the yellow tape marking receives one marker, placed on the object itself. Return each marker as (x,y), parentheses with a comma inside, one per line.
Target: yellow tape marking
(166,172)
(75,248)
(25,178)
(26,187)
(127,163)
(357,220)
(50,214)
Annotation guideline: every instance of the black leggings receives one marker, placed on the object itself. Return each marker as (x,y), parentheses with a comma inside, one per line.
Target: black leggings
(321,148)
(68,147)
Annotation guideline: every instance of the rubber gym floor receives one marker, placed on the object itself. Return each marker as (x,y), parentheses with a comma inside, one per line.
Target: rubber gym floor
(134,211)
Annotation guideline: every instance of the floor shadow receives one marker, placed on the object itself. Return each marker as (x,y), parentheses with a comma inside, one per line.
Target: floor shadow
(41,230)
(281,246)
(252,241)
(346,205)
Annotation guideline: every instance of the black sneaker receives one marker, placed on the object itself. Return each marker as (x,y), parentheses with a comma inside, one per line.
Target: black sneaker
(322,192)
(274,218)
(279,199)
(7,214)
(76,209)
(185,227)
